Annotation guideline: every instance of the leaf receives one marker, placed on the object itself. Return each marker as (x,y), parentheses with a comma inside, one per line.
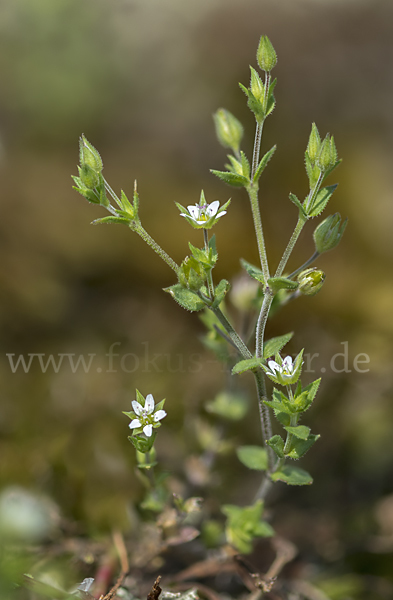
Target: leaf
(231,178)
(283,417)
(186,298)
(301,431)
(253,272)
(246,365)
(263,162)
(292,476)
(321,200)
(276,344)
(327,173)
(304,397)
(220,292)
(277,444)
(245,165)
(281,283)
(263,529)
(229,406)
(300,447)
(297,203)
(253,457)
(111,221)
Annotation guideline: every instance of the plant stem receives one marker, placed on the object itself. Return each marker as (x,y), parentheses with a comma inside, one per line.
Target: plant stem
(153,244)
(308,262)
(210,284)
(291,244)
(256,215)
(262,319)
(264,414)
(236,339)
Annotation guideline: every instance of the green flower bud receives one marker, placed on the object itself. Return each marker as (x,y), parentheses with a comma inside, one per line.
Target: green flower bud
(329,233)
(327,156)
(333,152)
(228,129)
(89,156)
(314,143)
(266,54)
(310,281)
(88,176)
(191,274)
(257,88)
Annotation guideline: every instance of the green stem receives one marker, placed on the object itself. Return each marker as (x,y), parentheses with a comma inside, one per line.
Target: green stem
(210,284)
(257,148)
(261,324)
(291,244)
(236,339)
(153,244)
(264,414)
(306,264)
(256,215)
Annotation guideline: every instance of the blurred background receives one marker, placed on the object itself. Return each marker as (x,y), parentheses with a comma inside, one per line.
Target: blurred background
(141,79)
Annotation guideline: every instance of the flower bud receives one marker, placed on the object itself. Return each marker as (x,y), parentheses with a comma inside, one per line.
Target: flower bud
(266,54)
(310,281)
(228,129)
(89,156)
(329,233)
(257,87)
(314,143)
(191,274)
(88,176)
(323,159)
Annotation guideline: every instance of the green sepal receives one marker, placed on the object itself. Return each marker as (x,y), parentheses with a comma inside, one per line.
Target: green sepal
(299,447)
(281,283)
(304,397)
(276,344)
(89,195)
(186,298)
(253,272)
(253,457)
(292,476)
(253,103)
(301,431)
(250,364)
(235,166)
(277,444)
(220,292)
(245,165)
(299,205)
(111,221)
(207,259)
(159,405)
(142,444)
(271,101)
(327,173)
(231,178)
(263,162)
(313,172)
(321,200)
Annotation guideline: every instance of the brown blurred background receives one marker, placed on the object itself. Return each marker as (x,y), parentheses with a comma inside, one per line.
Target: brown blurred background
(141,80)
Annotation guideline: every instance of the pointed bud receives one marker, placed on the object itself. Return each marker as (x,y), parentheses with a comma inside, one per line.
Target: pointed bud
(314,143)
(333,152)
(228,129)
(89,156)
(88,176)
(256,86)
(329,233)
(310,281)
(324,160)
(266,54)
(191,274)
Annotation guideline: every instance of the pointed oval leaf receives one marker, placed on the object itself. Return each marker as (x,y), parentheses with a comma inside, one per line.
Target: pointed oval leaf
(231,178)
(186,298)
(292,476)
(274,345)
(253,457)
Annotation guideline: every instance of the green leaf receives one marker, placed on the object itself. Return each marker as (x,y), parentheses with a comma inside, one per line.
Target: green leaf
(231,178)
(301,431)
(297,203)
(186,298)
(300,447)
(220,292)
(246,365)
(244,524)
(111,221)
(263,162)
(245,165)
(253,272)
(253,457)
(276,344)
(283,417)
(304,397)
(281,283)
(292,476)
(321,200)
(277,444)
(229,406)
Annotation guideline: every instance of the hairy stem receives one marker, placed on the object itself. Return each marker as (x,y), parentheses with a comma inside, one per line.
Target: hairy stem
(236,339)
(306,264)
(262,320)
(210,284)
(153,244)
(291,244)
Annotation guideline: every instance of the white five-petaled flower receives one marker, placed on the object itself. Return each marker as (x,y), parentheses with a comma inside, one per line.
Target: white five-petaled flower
(146,416)
(203,212)
(285,370)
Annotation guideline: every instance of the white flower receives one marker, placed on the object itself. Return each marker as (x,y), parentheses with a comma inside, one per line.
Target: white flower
(285,370)
(146,416)
(201,213)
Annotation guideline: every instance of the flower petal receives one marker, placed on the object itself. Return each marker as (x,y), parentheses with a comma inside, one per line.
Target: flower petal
(160,414)
(137,408)
(287,363)
(148,430)
(149,404)
(213,208)
(194,211)
(135,423)
(221,214)
(274,366)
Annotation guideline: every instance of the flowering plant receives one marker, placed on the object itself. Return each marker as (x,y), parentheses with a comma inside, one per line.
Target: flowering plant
(195,290)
